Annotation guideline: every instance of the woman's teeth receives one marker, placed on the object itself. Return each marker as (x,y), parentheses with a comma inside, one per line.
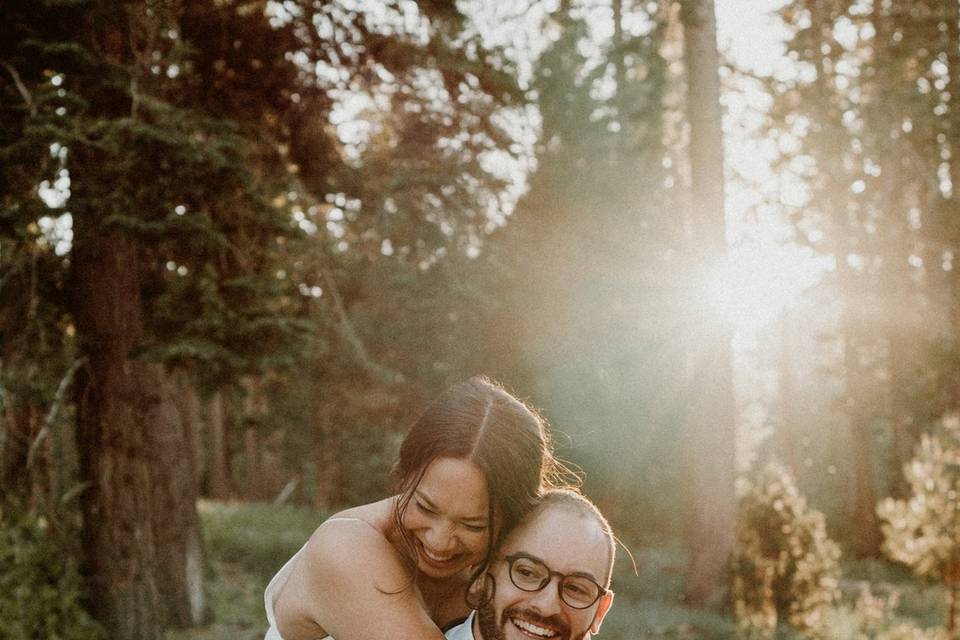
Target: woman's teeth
(438,557)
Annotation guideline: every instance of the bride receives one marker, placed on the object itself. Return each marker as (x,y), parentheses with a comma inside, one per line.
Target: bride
(398,569)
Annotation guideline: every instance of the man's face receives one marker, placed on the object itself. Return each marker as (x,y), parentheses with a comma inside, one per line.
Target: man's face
(567,542)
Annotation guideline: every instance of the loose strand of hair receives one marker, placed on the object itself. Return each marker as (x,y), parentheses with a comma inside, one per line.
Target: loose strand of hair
(399,507)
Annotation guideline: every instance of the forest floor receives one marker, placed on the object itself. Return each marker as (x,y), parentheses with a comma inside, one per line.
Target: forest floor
(247,543)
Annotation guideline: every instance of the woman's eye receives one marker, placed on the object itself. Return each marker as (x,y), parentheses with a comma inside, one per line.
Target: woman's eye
(476,528)
(426,509)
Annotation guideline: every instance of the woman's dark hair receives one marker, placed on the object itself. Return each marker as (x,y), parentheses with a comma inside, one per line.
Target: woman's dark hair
(479,421)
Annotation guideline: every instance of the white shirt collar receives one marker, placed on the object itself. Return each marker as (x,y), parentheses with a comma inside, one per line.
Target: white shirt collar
(463,631)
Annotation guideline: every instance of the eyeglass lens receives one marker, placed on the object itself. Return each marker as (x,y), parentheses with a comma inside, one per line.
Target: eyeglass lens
(528,574)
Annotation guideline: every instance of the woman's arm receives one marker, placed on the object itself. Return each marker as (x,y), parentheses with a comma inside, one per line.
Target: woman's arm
(351,584)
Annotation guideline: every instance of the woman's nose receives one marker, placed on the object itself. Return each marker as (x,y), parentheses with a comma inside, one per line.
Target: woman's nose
(441,537)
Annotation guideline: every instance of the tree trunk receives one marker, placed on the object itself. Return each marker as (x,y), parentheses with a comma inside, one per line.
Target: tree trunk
(618,57)
(188,405)
(326,483)
(251,456)
(218,471)
(951,582)
(115,400)
(711,435)
(788,417)
(952,36)
(176,523)
(951,18)
(905,434)
(141,534)
(896,279)
(862,505)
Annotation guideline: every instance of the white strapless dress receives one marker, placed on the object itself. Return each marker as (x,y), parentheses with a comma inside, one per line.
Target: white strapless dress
(270,596)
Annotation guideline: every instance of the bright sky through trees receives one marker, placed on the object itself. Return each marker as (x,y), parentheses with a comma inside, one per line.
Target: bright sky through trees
(764,272)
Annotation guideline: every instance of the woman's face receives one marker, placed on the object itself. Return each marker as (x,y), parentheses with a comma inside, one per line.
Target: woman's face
(447,517)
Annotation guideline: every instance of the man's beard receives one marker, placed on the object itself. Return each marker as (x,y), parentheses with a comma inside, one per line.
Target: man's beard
(492,629)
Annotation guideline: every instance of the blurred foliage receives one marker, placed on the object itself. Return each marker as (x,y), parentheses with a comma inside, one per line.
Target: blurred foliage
(872,617)
(41,590)
(785,566)
(923,531)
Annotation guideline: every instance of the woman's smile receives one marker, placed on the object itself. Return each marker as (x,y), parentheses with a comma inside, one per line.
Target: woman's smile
(437,560)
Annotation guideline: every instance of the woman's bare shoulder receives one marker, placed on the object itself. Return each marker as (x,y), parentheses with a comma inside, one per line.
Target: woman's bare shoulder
(349,572)
(347,569)
(366,525)
(354,545)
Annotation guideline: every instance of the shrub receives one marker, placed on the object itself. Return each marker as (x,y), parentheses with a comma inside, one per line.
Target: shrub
(785,566)
(923,531)
(40,586)
(872,618)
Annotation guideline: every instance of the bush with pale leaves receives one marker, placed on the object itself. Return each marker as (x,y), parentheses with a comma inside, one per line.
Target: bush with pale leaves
(872,617)
(785,566)
(923,531)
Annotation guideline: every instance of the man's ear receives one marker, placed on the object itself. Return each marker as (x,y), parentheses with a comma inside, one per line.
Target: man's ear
(606,601)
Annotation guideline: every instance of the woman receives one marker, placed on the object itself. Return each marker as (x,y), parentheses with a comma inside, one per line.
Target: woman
(397,569)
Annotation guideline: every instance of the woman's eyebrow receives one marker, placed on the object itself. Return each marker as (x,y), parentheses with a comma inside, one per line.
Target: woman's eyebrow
(432,505)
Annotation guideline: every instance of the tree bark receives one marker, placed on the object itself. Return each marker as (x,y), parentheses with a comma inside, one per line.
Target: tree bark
(711,423)
(141,530)
(116,398)
(788,417)
(951,18)
(862,500)
(251,457)
(175,519)
(218,471)
(188,405)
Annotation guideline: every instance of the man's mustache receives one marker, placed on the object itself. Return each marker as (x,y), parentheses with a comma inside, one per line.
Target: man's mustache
(552,622)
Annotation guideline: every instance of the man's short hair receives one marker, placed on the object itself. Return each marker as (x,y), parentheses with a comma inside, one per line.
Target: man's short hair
(575,501)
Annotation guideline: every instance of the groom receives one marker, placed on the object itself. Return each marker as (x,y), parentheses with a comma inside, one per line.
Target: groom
(550,578)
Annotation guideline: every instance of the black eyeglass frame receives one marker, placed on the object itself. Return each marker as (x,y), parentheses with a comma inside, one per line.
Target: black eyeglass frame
(512,558)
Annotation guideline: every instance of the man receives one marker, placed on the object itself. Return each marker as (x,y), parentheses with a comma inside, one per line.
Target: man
(550,578)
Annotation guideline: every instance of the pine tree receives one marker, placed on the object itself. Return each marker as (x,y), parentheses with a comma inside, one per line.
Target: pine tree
(168,205)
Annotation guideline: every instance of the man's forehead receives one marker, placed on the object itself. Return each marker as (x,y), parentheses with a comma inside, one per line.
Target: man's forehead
(568,540)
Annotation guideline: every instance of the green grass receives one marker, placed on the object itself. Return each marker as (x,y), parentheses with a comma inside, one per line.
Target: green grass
(247,543)
(647,605)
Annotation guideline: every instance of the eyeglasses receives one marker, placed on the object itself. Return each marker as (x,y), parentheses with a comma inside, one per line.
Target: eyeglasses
(529,574)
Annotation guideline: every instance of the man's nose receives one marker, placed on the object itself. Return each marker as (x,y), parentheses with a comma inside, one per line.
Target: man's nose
(547,600)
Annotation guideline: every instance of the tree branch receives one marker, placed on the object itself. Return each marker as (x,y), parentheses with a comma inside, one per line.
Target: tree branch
(51,418)
(349,333)
(22,88)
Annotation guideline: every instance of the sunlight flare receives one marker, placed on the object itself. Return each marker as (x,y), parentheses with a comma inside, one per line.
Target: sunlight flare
(757,281)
